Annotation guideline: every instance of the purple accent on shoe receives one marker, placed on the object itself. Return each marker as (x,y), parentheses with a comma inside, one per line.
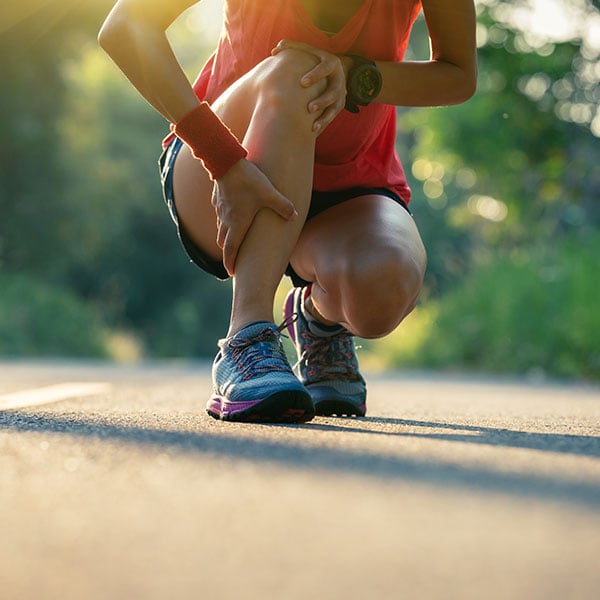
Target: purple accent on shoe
(253,381)
(222,406)
(290,408)
(288,312)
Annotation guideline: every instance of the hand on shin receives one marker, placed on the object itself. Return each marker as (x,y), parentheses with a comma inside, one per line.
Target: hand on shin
(237,198)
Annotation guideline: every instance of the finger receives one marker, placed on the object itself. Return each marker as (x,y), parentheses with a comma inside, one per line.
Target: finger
(326,99)
(219,227)
(285,44)
(325,119)
(326,66)
(214,197)
(230,251)
(337,79)
(282,206)
(336,103)
(221,235)
(320,71)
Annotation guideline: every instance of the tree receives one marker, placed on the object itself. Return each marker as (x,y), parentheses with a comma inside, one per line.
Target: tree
(506,190)
(512,173)
(35,41)
(510,166)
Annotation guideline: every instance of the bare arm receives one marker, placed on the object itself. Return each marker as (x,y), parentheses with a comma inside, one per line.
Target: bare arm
(450,76)
(133,35)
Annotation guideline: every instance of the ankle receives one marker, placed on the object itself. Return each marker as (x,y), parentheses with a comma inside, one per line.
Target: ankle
(246,311)
(237,328)
(238,323)
(311,309)
(317,325)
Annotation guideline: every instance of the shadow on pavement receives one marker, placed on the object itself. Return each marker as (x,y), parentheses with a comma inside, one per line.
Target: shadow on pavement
(350,461)
(545,442)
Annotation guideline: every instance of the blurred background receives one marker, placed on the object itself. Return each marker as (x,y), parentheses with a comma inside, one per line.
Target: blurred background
(505,192)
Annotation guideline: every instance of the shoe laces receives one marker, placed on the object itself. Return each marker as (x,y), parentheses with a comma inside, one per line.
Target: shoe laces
(261,353)
(327,358)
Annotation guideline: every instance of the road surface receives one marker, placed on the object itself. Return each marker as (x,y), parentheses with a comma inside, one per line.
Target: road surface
(115,484)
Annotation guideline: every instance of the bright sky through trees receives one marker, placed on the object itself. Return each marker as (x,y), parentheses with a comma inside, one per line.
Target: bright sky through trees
(547,20)
(550,20)
(205,18)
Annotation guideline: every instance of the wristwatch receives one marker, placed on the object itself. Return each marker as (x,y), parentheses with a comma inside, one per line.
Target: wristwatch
(363,83)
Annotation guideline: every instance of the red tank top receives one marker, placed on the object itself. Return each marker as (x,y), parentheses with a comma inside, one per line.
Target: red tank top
(355,149)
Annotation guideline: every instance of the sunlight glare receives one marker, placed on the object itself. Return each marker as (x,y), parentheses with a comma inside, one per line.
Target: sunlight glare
(205,18)
(544,21)
(488,208)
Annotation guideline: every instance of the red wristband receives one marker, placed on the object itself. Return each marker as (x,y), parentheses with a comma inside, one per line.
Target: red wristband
(210,139)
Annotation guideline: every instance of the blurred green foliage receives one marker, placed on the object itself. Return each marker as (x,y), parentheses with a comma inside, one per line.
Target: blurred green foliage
(505,195)
(80,199)
(537,309)
(37,319)
(533,312)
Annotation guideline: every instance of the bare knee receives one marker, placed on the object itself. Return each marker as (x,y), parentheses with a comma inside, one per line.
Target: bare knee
(377,292)
(285,68)
(277,82)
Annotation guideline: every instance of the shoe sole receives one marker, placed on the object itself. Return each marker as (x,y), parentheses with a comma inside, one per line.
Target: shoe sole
(339,408)
(281,407)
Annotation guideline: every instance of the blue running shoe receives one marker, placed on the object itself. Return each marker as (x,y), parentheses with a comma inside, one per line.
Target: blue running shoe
(253,381)
(327,364)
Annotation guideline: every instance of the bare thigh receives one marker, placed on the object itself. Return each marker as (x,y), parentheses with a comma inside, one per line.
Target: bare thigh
(367,261)
(238,109)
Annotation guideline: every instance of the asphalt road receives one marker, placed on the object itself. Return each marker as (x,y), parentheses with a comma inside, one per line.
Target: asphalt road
(115,484)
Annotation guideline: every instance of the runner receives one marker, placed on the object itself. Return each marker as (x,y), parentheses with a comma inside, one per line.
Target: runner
(281,158)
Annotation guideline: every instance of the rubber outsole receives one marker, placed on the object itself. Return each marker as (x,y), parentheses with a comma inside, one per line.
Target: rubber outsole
(339,408)
(281,407)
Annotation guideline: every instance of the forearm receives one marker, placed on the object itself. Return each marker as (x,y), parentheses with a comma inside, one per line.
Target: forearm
(450,76)
(432,83)
(143,53)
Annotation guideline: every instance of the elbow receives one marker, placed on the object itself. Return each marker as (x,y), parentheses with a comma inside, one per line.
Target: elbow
(466,88)
(118,30)
(470,85)
(462,80)
(470,80)
(111,33)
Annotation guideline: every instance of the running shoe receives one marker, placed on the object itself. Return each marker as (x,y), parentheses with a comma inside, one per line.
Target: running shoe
(327,363)
(253,381)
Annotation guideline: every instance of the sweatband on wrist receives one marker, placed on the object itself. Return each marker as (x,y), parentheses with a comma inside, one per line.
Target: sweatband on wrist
(210,140)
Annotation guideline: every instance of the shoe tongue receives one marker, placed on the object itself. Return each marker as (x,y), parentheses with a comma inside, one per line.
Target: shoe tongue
(317,328)
(321,330)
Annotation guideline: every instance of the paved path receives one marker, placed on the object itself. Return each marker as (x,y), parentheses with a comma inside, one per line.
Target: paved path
(114,484)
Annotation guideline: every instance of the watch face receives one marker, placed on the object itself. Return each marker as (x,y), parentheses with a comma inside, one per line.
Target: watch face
(366,83)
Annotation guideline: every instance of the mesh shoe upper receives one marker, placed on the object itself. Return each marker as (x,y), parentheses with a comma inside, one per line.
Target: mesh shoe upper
(252,364)
(327,365)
